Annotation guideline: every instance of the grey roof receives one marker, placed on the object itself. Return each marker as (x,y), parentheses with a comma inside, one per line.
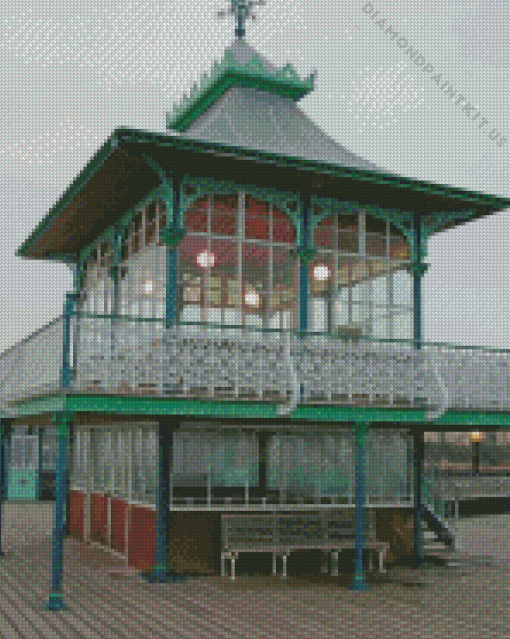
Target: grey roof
(262,120)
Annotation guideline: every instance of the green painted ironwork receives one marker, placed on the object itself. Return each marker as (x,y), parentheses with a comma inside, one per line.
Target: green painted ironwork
(228,73)
(360,434)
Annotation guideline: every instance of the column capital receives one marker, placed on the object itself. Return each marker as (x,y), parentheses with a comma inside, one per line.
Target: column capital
(172,236)
(360,432)
(305,254)
(418,269)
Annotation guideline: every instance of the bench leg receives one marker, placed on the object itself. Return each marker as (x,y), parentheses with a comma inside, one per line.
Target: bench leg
(370,560)
(222,565)
(334,564)
(381,559)
(284,572)
(233,567)
(274,564)
(324,560)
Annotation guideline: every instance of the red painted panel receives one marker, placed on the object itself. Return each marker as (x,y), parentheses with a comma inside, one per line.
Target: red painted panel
(99,519)
(142,538)
(76,514)
(119,514)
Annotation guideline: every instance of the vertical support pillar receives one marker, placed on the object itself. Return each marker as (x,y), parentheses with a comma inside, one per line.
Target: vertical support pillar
(66,372)
(56,598)
(114,275)
(4,460)
(161,573)
(171,236)
(69,471)
(263,438)
(40,437)
(305,254)
(419,447)
(360,435)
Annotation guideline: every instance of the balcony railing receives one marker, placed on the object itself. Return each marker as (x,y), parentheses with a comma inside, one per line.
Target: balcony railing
(141,356)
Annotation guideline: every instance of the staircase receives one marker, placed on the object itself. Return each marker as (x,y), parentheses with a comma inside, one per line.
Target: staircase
(438,537)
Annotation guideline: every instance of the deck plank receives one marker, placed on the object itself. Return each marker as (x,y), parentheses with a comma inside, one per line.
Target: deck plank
(470,603)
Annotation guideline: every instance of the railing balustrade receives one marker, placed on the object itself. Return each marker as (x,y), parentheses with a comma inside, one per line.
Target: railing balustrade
(33,366)
(137,356)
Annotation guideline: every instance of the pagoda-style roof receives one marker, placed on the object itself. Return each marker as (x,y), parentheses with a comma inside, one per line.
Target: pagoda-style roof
(250,103)
(242,125)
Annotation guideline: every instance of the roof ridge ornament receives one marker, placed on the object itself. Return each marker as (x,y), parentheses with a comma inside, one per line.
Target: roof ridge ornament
(242,10)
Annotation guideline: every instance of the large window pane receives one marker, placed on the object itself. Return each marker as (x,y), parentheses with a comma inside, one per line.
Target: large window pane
(231,458)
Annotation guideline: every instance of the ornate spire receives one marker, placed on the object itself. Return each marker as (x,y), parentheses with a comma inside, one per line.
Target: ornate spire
(241,9)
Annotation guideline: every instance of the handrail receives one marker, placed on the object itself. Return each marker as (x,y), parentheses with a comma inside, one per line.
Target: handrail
(401,380)
(298,333)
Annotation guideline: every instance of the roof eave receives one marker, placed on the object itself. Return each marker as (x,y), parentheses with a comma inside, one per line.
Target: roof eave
(125,135)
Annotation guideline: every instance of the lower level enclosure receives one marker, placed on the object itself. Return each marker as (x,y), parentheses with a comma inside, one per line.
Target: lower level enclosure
(217,470)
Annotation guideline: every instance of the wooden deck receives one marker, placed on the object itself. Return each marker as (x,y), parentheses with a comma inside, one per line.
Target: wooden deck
(104,600)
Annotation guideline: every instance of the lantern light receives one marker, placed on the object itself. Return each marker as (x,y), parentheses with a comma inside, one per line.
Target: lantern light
(205,259)
(148,286)
(252,299)
(321,272)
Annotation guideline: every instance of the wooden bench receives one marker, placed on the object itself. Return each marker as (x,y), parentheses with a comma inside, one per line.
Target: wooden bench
(281,533)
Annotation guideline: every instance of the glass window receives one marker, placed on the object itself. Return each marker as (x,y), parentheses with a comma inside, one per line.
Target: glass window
(235,266)
(231,458)
(311,465)
(369,290)
(387,466)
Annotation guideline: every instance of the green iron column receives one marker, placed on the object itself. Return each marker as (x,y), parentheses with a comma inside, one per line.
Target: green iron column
(305,253)
(2,467)
(419,447)
(5,425)
(61,419)
(418,268)
(40,437)
(172,236)
(161,573)
(360,435)
(56,598)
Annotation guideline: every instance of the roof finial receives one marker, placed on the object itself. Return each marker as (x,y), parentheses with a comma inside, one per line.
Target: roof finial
(242,9)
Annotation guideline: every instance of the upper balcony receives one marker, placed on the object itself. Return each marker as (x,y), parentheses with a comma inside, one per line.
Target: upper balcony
(122,355)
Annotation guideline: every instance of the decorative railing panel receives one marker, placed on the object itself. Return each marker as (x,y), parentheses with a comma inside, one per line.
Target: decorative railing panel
(357,371)
(126,355)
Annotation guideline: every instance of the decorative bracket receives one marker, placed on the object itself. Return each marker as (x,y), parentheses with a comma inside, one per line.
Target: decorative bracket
(305,254)
(418,268)
(172,236)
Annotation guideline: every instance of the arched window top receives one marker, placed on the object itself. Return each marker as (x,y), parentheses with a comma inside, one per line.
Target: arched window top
(361,233)
(221,215)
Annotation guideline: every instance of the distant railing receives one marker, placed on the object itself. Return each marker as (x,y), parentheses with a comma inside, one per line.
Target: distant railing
(34,365)
(132,355)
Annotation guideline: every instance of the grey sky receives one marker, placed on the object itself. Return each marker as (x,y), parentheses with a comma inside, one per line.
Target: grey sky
(73,71)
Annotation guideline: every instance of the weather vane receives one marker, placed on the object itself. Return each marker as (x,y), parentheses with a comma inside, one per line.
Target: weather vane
(242,9)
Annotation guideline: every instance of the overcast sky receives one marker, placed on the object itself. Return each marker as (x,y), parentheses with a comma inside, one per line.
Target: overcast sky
(72,71)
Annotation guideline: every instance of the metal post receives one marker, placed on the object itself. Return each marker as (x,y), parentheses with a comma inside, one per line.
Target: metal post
(3,471)
(69,471)
(476,457)
(40,433)
(358,583)
(161,573)
(418,505)
(56,598)
(66,372)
